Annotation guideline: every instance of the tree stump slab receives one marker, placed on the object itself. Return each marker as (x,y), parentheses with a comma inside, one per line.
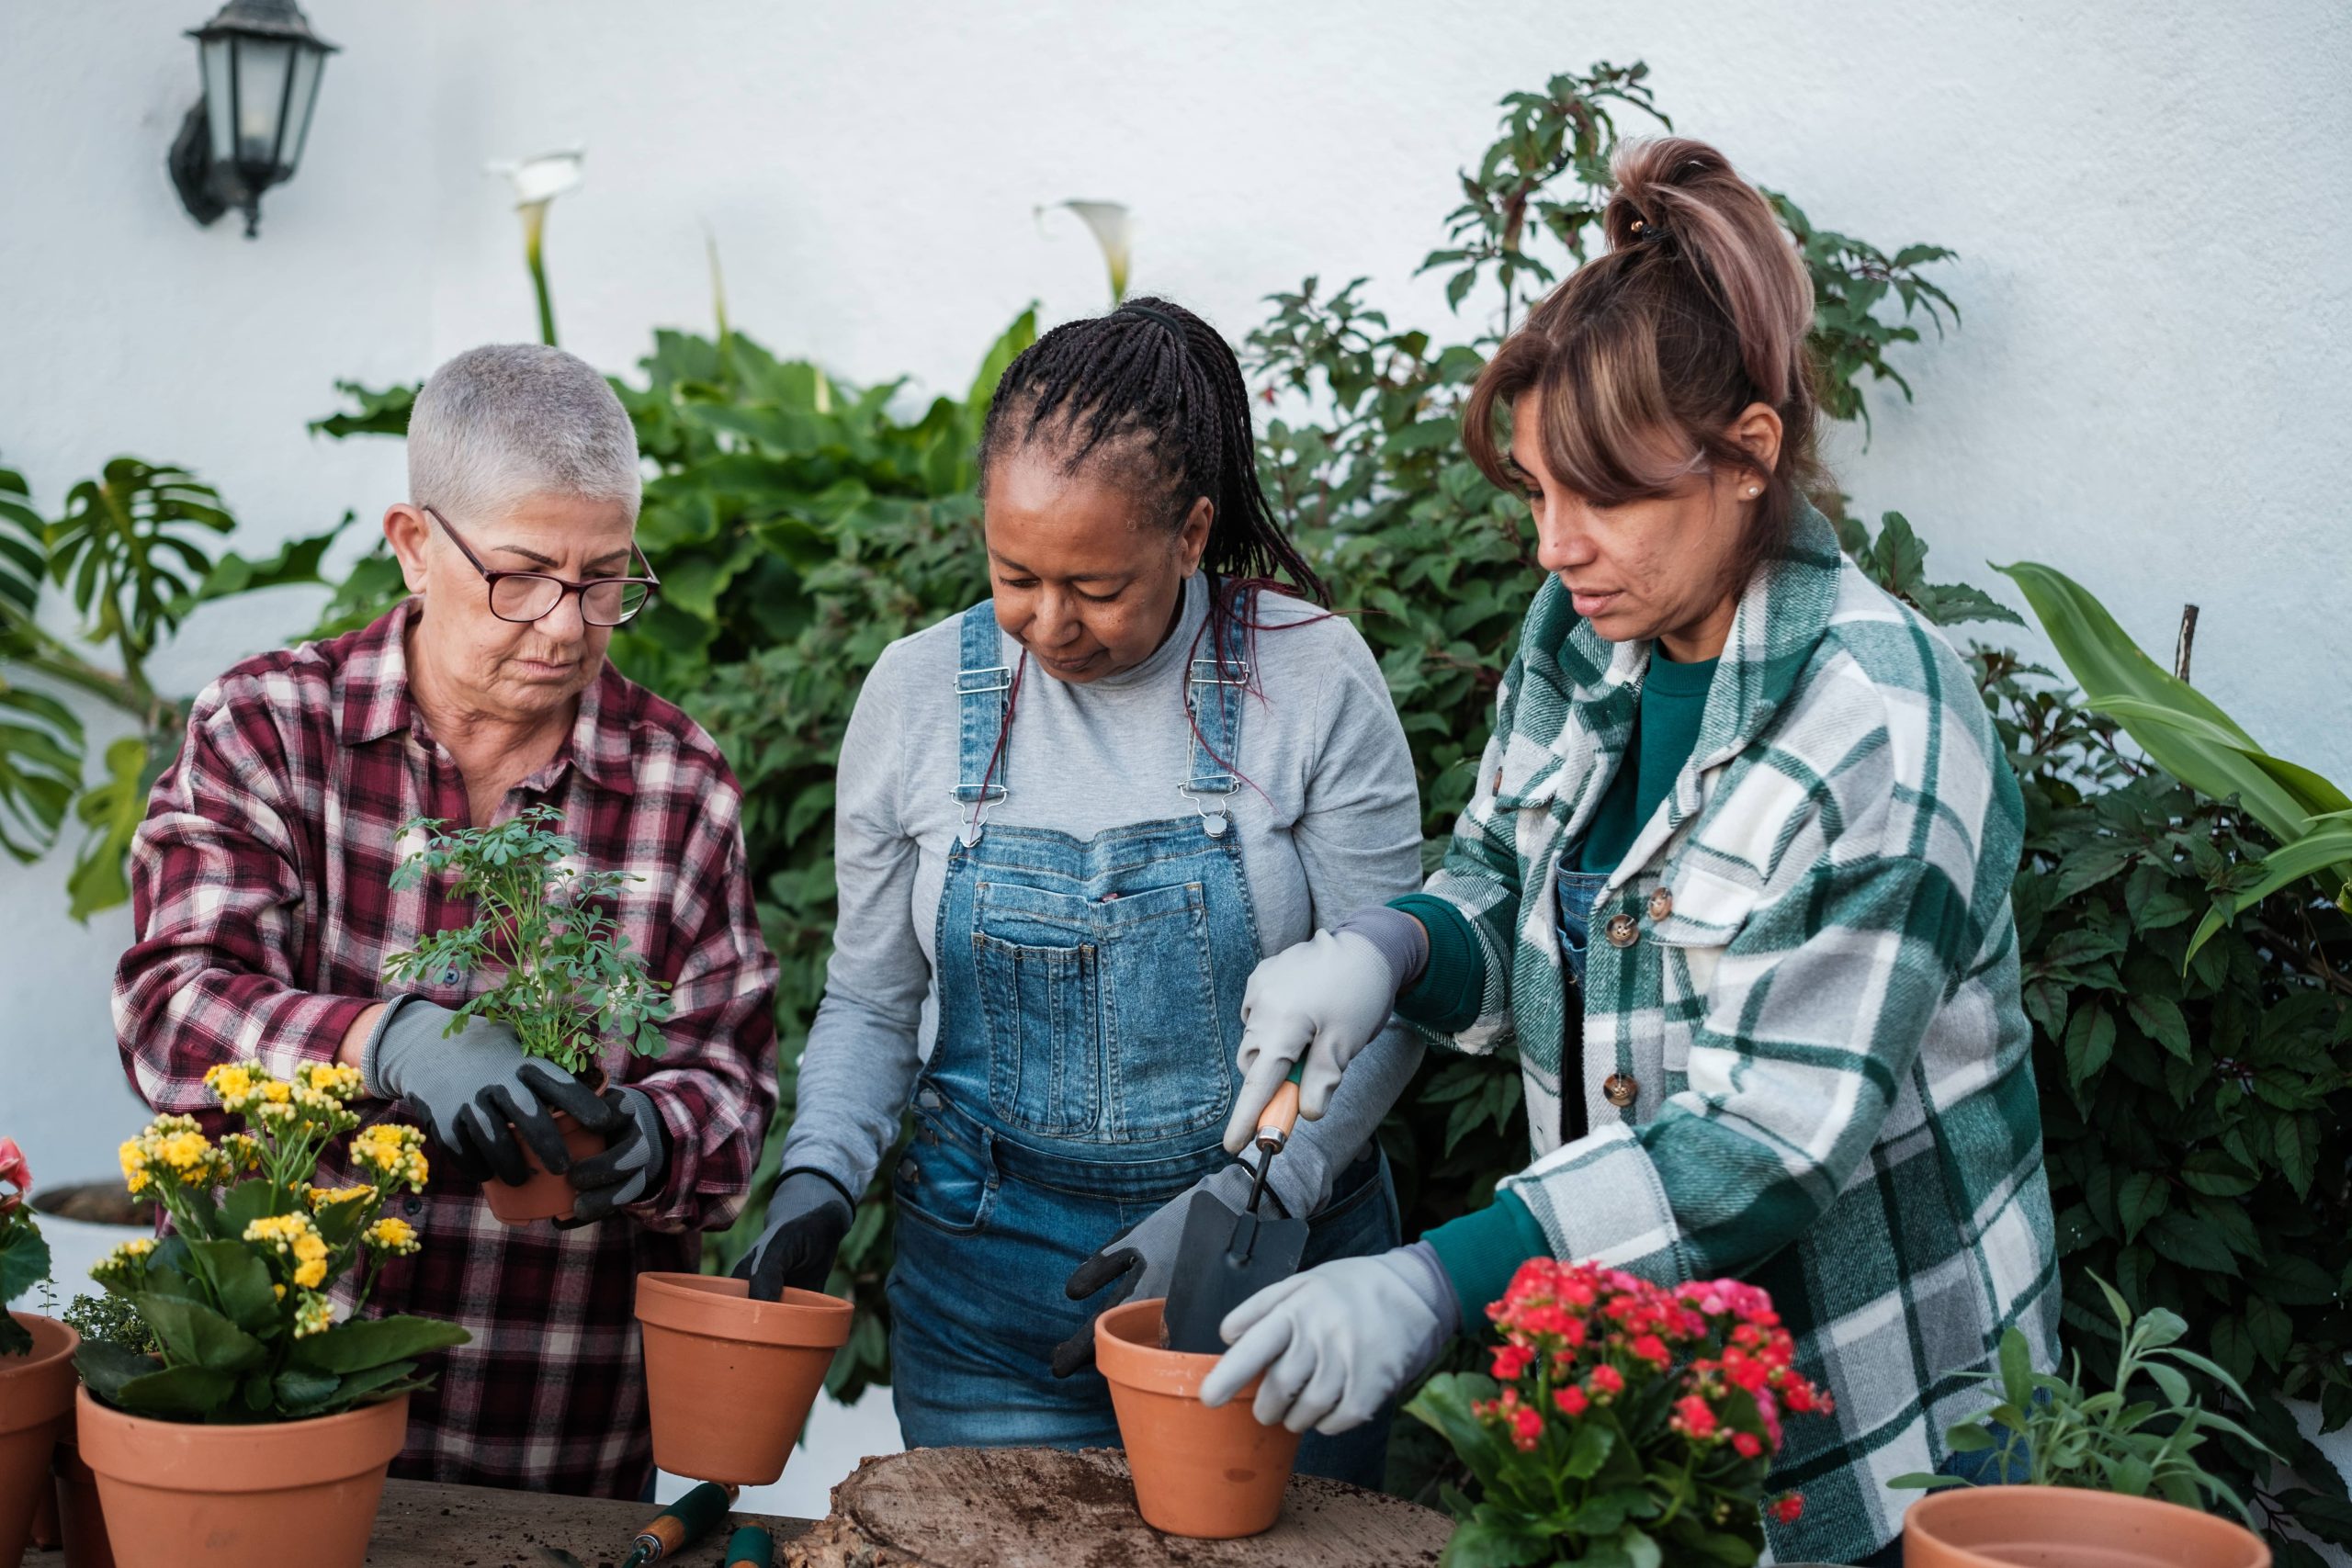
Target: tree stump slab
(1051,1508)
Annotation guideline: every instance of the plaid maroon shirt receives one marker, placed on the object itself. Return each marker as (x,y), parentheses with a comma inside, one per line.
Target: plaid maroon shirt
(262,895)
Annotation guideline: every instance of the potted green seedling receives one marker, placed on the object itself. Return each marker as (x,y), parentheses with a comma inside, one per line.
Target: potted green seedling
(567,980)
(2107,1475)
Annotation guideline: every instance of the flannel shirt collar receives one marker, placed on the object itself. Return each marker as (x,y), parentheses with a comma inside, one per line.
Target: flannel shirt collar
(375,703)
(1782,613)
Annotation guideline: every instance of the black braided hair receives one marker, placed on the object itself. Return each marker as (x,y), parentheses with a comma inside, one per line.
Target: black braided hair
(1151,398)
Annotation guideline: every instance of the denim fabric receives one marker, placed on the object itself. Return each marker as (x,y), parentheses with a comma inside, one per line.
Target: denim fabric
(1578,891)
(1089,995)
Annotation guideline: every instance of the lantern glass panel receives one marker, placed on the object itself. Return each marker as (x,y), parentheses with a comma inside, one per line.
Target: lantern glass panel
(262,65)
(216,56)
(308,64)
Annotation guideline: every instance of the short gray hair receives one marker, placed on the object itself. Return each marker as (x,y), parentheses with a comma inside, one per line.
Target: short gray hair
(508,420)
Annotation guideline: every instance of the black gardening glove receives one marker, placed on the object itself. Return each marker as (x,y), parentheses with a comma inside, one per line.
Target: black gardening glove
(475,1090)
(807,1219)
(630,1168)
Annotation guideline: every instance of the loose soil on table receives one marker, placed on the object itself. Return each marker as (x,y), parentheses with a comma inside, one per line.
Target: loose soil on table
(1047,1508)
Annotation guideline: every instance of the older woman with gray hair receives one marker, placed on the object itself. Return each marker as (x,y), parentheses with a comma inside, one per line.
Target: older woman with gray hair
(261,892)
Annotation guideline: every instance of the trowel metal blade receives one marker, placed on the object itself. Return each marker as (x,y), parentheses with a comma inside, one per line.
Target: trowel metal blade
(1223,1259)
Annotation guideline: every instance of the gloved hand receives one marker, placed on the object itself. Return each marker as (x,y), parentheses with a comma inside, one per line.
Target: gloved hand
(807,1219)
(476,1091)
(1337,1342)
(630,1170)
(1143,1257)
(1323,1000)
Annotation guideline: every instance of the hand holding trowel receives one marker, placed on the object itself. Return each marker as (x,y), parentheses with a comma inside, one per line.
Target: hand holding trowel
(1224,1258)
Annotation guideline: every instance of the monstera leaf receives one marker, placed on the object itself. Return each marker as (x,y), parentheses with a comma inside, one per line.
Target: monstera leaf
(40,741)
(126,551)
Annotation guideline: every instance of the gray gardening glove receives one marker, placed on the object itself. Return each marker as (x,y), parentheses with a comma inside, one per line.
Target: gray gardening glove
(630,1170)
(1323,1000)
(1143,1257)
(807,1219)
(1337,1343)
(476,1091)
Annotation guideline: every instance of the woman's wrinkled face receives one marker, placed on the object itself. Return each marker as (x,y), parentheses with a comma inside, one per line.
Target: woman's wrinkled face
(511,670)
(1083,579)
(1661,568)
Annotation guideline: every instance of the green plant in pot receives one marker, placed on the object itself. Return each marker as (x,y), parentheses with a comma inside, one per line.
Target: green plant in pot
(36,1361)
(2074,1470)
(567,981)
(259,1426)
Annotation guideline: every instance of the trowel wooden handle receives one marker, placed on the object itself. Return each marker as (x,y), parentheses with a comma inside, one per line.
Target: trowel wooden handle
(1275,1123)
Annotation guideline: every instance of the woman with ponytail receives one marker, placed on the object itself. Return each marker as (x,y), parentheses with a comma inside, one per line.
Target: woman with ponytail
(1735,881)
(1069,821)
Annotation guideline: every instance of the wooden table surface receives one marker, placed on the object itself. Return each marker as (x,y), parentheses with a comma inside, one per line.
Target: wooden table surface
(425,1524)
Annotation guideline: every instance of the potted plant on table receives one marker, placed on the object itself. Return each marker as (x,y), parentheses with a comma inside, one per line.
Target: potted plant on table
(2104,1473)
(36,1361)
(259,1429)
(1625,1422)
(567,979)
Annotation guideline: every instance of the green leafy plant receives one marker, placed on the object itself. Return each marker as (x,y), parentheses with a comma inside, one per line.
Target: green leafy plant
(24,1255)
(236,1299)
(2045,1430)
(106,1319)
(2186,734)
(568,979)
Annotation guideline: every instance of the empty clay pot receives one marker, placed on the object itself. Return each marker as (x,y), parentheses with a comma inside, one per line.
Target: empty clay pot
(2064,1526)
(178,1493)
(35,1399)
(545,1196)
(1209,1473)
(79,1514)
(730,1380)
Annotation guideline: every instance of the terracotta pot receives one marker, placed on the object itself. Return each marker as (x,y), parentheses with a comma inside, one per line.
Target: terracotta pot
(1209,1473)
(36,1400)
(81,1515)
(730,1380)
(545,1196)
(2064,1526)
(183,1495)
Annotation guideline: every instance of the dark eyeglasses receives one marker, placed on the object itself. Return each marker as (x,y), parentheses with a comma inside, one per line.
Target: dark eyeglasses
(527,596)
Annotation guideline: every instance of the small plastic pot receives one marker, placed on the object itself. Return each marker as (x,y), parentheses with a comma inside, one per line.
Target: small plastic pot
(2047,1527)
(184,1495)
(36,1402)
(1211,1474)
(730,1380)
(545,1196)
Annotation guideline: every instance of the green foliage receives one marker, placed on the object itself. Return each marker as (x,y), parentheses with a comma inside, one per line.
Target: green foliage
(568,978)
(106,1319)
(2045,1430)
(227,1319)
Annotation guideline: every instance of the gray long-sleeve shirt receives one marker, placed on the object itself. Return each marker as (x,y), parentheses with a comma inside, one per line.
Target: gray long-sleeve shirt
(1333,824)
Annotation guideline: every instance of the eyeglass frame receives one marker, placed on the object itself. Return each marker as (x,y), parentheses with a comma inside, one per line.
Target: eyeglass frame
(492,578)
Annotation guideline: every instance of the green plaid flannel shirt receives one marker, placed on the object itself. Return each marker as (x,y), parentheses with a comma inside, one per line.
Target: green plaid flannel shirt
(1808,966)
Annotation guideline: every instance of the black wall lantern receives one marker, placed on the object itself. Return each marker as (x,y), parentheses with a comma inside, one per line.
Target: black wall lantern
(261,65)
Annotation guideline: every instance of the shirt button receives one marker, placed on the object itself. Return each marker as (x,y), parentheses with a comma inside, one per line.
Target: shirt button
(1619,1091)
(415,1206)
(1622,931)
(1661,904)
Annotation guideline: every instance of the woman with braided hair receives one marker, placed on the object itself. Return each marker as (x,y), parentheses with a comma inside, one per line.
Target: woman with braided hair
(1070,822)
(1735,881)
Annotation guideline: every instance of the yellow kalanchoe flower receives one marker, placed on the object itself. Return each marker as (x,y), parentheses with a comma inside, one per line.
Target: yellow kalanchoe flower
(396,1151)
(244,1151)
(392,1236)
(172,1146)
(312,1314)
(294,1237)
(126,1262)
(329,1079)
(325,1197)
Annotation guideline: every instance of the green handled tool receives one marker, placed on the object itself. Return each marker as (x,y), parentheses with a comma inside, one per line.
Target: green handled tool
(751,1545)
(1224,1258)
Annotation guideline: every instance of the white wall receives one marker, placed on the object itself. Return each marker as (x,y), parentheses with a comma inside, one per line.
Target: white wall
(2151,203)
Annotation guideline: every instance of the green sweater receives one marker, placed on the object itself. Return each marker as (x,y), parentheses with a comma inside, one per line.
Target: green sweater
(1483,1249)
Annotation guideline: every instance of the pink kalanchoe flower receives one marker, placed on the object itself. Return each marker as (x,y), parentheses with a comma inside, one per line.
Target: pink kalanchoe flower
(1790,1509)
(1571,1401)
(1527,1429)
(1608,1381)
(1694,1416)
(1747,1444)
(14,1172)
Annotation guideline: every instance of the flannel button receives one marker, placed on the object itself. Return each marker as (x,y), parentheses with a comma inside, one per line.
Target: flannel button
(1619,1091)
(415,1206)
(1661,904)
(1623,930)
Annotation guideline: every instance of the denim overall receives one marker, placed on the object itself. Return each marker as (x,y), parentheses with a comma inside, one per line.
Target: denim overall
(1090,997)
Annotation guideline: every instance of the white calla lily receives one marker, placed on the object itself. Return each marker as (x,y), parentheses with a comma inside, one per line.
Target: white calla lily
(538,182)
(1114,228)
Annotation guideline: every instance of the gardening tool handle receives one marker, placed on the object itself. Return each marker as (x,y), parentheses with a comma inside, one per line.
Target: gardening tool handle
(1276,1122)
(684,1521)
(751,1545)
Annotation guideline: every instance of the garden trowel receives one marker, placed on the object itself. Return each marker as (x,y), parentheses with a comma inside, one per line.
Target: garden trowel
(1224,1258)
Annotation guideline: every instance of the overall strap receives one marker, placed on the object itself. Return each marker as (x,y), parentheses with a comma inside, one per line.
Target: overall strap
(1213,690)
(984,693)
